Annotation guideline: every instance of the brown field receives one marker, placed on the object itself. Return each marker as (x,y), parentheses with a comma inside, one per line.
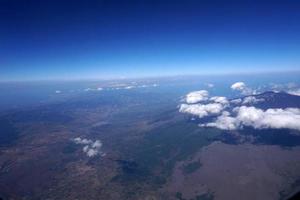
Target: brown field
(239,172)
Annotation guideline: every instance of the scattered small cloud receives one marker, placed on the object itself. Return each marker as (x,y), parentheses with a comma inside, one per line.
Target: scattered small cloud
(93,89)
(57,91)
(210,85)
(91,148)
(129,87)
(78,140)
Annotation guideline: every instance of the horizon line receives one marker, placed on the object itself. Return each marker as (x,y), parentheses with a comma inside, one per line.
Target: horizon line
(150,76)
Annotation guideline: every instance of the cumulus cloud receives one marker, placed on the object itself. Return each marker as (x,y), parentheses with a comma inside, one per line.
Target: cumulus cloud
(201,110)
(224,121)
(91,148)
(241,86)
(198,103)
(196,96)
(258,118)
(238,86)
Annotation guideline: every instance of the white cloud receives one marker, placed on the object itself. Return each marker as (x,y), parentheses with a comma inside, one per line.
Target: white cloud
(88,89)
(241,86)
(78,140)
(290,88)
(229,117)
(97,144)
(212,106)
(93,89)
(271,118)
(238,86)
(92,152)
(258,118)
(252,100)
(85,148)
(133,85)
(197,96)
(91,148)
(201,110)
(210,85)
(236,101)
(57,91)
(225,121)
(129,87)
(218,99)
(294,91)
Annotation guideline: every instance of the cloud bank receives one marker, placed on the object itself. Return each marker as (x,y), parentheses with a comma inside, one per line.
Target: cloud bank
(257,118)
(238,113)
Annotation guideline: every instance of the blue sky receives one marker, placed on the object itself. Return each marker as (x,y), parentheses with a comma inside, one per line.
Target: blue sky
(108,39)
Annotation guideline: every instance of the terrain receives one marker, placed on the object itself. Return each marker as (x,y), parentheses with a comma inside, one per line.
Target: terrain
(149,150)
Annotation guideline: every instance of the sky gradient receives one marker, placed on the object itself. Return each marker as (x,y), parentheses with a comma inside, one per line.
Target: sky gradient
(109,39)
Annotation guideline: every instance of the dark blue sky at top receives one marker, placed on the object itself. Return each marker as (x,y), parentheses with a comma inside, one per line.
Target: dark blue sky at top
(48,39)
